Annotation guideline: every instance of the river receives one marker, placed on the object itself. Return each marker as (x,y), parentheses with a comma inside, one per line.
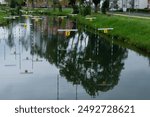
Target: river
(38,62)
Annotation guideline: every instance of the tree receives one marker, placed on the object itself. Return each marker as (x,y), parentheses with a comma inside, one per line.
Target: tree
(132,3)
(57,3)
(16,3)
(72,2)
(105,6)
(85,7)
(32,3)
(47,3)
(96,2)
(114,4)
(74,6)
(54,4)
(12,3)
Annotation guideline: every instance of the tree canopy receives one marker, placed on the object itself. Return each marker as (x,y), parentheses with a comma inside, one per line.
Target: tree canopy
(15,3)
(96,2)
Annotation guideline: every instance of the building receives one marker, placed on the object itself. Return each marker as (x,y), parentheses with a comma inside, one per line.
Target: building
(135,4)
(148,4)
(3,2)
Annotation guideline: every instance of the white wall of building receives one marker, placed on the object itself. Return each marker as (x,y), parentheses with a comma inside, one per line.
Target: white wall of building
(2,2)
(140,4)
(143,4)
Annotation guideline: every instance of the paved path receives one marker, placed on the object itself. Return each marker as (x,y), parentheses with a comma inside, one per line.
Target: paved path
(134,15)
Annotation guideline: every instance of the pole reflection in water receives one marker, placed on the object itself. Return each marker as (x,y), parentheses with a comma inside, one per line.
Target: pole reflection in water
(49,64)
(4,52)
(78,56)
(57,87)
(76,91)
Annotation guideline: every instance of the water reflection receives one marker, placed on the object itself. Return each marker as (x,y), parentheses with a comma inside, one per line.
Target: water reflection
(85,60)
(90,62)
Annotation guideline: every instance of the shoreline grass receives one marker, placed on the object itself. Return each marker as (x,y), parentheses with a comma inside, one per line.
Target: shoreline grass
(132,31)
(2,15)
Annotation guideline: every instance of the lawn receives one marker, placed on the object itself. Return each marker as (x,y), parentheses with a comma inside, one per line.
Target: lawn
(133,31)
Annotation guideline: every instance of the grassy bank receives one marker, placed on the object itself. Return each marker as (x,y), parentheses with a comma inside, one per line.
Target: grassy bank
(132,31)
(2,15)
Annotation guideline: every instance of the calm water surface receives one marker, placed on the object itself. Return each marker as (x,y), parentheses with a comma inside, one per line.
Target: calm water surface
(38,62)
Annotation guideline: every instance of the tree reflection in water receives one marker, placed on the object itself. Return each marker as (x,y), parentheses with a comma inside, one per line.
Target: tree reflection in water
(95,67)
(85,59)
(82,58)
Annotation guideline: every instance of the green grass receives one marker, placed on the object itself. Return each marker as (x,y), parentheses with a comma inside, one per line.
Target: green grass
(4,11)
(2,15)
(133,31)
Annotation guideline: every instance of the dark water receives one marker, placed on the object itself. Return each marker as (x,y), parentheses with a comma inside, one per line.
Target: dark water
(38,62)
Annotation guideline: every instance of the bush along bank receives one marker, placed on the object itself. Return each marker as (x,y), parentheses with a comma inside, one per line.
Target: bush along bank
(131,31)
(2,15)
(4,12)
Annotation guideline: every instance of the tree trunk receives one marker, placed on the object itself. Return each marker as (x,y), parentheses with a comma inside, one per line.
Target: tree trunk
(132,4)
(96,8)
(32,3)
(47,5)
(54,7)
(60,8)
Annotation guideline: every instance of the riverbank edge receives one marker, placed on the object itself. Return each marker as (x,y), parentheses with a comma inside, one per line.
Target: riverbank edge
(93,25)
(124,40)
(2,20)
